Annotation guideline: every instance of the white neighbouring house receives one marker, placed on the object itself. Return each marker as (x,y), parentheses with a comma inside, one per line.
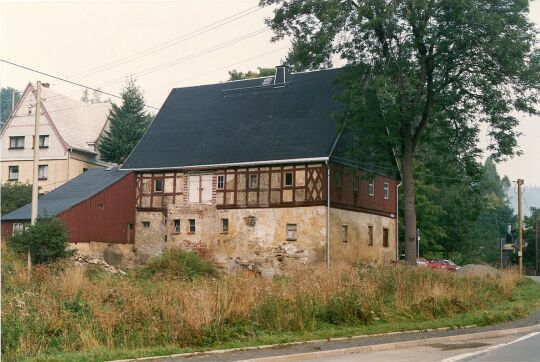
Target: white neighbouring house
(69,133)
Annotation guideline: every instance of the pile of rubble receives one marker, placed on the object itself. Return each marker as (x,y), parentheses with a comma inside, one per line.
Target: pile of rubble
(81,260)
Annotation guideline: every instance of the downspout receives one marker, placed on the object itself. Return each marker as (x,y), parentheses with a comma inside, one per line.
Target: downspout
(397,219)
(328,215)
(69,154)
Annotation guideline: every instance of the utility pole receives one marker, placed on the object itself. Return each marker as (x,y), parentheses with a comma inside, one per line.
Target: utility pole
(536,244)
(36,168)
(520,225)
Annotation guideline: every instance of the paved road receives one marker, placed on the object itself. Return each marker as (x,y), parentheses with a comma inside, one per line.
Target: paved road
(525,351)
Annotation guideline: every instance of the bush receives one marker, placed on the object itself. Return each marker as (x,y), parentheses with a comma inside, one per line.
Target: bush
(178,264)
(15,195)
(46,240)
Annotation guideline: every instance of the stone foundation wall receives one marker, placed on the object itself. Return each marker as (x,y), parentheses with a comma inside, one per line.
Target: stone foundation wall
(356,249)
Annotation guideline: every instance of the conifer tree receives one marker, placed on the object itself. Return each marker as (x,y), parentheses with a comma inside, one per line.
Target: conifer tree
(127,124)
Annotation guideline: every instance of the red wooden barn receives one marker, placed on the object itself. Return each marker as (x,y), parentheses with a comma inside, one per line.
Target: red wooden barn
(98,205)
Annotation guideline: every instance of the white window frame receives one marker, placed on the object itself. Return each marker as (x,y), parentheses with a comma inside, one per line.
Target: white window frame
(43,172)
(192,226)
(225,225)
(292,230)
(386,190)
(14,144)
(285,183)
(371,187)
(44,141)
(220,182)
(10,173)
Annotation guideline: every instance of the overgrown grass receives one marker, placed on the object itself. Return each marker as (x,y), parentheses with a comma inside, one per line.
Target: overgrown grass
(178,303)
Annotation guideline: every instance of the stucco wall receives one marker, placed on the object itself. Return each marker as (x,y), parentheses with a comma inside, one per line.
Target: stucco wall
(356,248)
(58,171)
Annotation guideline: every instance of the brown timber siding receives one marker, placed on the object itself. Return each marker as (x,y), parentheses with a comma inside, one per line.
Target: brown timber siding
(88,221)
(360,200)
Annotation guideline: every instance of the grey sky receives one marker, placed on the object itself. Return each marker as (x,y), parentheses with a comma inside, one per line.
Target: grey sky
(67,38)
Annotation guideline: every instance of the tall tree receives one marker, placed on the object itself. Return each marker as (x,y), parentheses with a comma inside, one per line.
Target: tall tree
(6,99)
(262,72)
(420,66)
(128,123)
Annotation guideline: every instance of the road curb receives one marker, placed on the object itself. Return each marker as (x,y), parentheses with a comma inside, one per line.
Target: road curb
(395,345)
(339,352)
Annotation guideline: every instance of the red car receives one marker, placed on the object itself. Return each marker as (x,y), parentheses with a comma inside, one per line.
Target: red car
(437,264)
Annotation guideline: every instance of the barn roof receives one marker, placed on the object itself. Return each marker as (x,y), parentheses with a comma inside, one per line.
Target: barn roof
(242,122)
(70,194)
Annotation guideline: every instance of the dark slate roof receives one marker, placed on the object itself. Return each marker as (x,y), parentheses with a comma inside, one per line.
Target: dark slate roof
(242,121)
(70,194)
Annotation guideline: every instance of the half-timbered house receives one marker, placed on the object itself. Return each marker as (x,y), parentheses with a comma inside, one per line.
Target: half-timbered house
(256,172)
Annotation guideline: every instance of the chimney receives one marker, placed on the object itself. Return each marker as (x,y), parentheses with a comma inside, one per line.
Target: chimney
(282,75)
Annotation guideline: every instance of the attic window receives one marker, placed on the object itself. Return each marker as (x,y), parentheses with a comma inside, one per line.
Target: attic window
(158,187)
(253,184)
(101,206)
(288,178)
(268,81)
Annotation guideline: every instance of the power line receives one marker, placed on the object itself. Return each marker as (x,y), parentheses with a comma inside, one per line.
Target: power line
(217,69)
(190,56)
(167,44)
(355,162)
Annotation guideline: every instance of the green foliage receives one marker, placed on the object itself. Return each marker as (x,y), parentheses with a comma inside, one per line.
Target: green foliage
(418,68)
(15,195)
(46,240)
(6,95)
(461,214)
(531,235)
(127,125)
(178,264)
(262,72)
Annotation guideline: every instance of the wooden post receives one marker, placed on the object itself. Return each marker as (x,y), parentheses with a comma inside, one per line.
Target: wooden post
(520,225)
(36,168)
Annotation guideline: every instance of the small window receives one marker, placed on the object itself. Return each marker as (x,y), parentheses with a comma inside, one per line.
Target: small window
(192,228)
(158,187)
(16,142)
(13,173)
(220,182)
(101,206)
(385,237)
(225,225)
(355,183)
(338,180)
(253,179)
(30,110)
(84,170)
(386,190)
(18,227)
(146,224)
(291,232)
(370,235)
(43,172)
(43,141)
(165,238)
(371,187)
(176,226)
(344,233)
(288,178)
